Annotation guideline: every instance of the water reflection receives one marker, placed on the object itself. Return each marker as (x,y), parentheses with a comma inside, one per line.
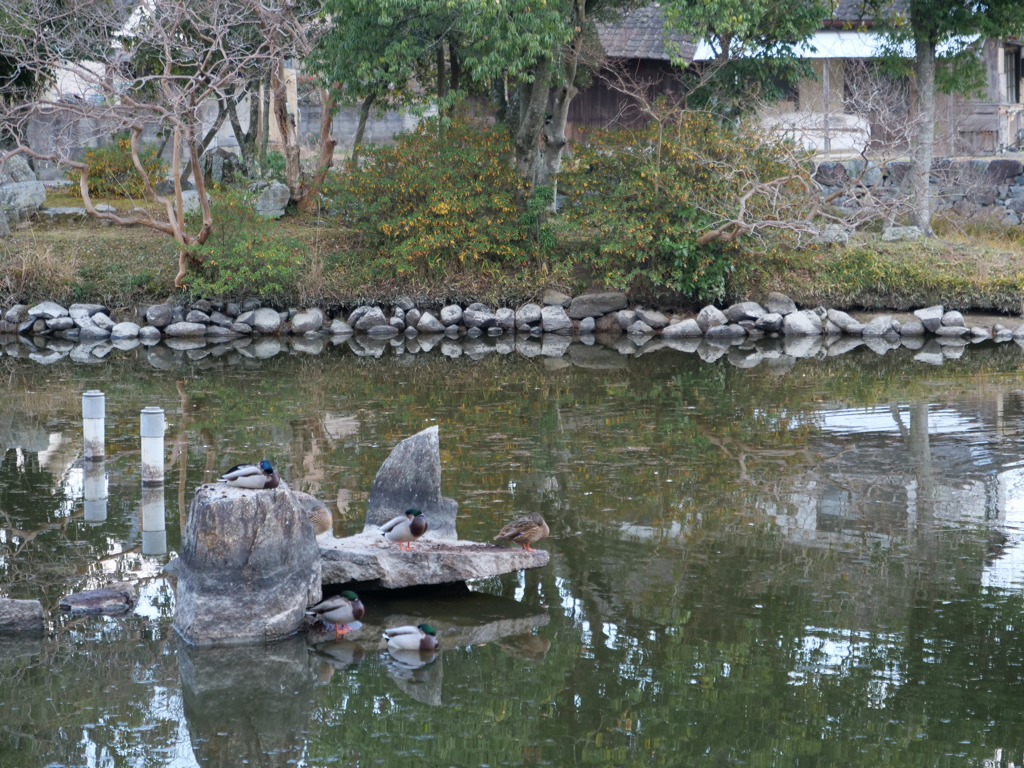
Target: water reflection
(247,705)
(765,558)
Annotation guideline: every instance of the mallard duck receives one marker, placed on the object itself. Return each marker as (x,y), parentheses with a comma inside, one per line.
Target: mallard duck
(419,638)
(405,528)
(260,476)
(525,531)
(339,611)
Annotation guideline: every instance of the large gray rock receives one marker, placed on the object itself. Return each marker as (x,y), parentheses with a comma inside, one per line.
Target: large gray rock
(846,323)
(596,304)
(149,333)
(897,234)
(273,200)
(308,320)
(111,600)
(625,318)
(21,198)
(912,328)
(451,315)
(195,316)
(185,330)
(953,319)
(266,320)
(126,330)
(16,169)
(930,317)
(365,560)
(769,323)
(725,333)
(90,330)
(190,201)
(687,329)
(60,324)
(554,319)
(878,326)
(429,324)
(102,319)
(47,310)
(555,298)
(528,314)
(410,478)
(804,323)
(711,317)
(248,568)
(16,314)
(745,310)
(21,616)
(779,303)
(160,315)
(474,318)
(654,319)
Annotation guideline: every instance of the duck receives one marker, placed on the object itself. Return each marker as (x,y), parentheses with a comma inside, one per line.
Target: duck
(405,528)
(339,610)
(525,531)
(258,477)
(422,637)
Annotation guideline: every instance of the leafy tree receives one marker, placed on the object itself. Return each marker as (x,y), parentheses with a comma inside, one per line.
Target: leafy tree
(528,50)
(958,28)
(754,42)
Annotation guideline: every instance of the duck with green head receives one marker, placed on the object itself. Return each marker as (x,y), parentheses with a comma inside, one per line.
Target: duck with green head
(257,477)
(339,611)
(405,528)
(422,637)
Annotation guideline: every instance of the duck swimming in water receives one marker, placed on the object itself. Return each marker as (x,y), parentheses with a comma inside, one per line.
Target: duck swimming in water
(258,477)
(422,637)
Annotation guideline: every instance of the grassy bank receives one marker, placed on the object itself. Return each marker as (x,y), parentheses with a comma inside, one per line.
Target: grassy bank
(977,268)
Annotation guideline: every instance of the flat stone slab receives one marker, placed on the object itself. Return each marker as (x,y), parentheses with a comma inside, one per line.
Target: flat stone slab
(375,563)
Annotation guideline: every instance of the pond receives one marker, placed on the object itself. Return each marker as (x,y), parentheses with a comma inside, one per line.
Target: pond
(804,562)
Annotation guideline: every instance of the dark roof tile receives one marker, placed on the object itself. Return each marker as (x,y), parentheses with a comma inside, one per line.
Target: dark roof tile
(641,34)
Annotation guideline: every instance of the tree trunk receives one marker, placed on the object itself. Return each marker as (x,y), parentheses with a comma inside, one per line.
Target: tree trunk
(247,139)
(222,112)
(364,116)
(264,122)
(553,134)
(455,78)
(289,133)
(326,158)
(924,71)
(442,76)
(533,102)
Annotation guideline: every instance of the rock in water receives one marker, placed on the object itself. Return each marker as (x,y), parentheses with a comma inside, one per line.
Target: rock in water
(410,478)
(249,566)
(21,615)
(111,600)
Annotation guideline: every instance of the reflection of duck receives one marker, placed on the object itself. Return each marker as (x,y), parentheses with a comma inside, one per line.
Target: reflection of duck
(408,665)
(320,517)
(405,528)
(256,476)
(526,647)
(409,638)
(525,531)
(342,655)
(340,611)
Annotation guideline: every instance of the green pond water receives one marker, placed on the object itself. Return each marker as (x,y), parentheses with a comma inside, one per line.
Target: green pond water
(814,562)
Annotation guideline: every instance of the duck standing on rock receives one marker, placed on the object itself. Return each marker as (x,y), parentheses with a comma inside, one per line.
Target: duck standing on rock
(258,477)
(525,531)
(405,528)
(339,610)
(422,637)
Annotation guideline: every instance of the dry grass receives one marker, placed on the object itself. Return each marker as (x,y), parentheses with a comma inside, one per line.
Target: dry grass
(35,264)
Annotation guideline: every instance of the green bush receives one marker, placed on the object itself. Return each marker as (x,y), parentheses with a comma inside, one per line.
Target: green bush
(112,172)
(245,254)
(440,198)
(642,213)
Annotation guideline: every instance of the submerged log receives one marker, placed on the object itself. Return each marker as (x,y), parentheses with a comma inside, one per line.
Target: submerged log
(111,600)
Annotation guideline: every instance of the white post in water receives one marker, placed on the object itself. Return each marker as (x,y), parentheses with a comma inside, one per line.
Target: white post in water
(154,528)
(94,491)
(94,412)
(151,430)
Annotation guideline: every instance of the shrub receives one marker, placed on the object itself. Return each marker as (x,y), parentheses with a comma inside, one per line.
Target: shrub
(112,172)
(643,210)
(245,255)
(439,198)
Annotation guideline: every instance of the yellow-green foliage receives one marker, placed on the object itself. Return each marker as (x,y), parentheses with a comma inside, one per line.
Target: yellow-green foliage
(643,213)
(112,172)
(440,198)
